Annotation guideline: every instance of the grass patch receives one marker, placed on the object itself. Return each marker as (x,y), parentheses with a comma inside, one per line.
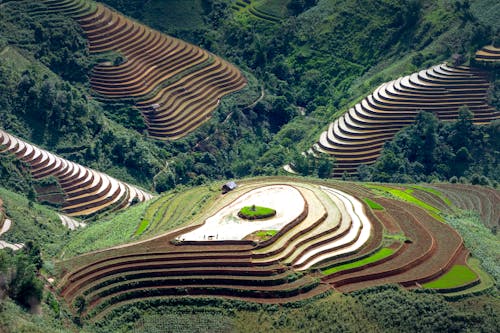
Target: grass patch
(119,229)
(142,226)
(458,275)
(380,254)
(265,234)
(373,204)
(399,237)
(32,221)
(256,212)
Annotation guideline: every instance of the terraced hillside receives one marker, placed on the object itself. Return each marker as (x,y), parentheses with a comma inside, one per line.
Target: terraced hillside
(84,191)
(334,242)
(489,54)
(357,137)
(174,84)
(258,9)
(485,201)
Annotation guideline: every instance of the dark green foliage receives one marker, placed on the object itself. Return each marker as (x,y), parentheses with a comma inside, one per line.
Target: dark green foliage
(79,304)
(18,276)
(14,176)
(379,309)
(55,40)
(431,150)
(298,6)
(405,311)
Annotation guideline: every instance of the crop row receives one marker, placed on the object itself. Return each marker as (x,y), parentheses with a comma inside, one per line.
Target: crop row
(485,201)
(175,85)
(86,191)
(357,137)
(488,53)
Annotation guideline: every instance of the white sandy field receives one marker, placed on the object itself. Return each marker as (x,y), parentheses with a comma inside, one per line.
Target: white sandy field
(226,225)
(360,224)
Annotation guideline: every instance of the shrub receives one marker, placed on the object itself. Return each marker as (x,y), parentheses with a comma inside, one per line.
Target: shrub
(256,212)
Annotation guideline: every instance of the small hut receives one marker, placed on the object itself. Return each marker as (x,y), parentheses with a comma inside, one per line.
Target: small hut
(229,186)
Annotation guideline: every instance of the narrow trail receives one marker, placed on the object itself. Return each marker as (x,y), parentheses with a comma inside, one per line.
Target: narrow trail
(262,95)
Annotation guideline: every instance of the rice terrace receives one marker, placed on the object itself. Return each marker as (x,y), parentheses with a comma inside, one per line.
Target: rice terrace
(331,242)
(249,166)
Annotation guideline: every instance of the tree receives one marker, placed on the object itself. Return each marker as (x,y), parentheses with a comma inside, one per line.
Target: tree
(23,286)
(325,168)
(79,304)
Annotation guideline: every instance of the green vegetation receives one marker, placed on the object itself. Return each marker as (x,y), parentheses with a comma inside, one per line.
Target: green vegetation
(373,204)
(256,212)
(399,237)
(277,8)
(433,191)
(266,233)
(18,272)
(380,309)
(176,208)
(14,318)
(479,240)
(405,195)
(457,276)
(380,254)
(486,281)
(33,222)
(142,226)
(119,229)
(430,150)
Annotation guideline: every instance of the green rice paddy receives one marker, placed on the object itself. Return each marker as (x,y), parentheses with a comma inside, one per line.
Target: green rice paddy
(406,195)
(373,204)
(380,254)
(457,276)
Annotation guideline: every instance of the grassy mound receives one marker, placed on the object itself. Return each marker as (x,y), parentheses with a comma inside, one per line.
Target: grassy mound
(256,212)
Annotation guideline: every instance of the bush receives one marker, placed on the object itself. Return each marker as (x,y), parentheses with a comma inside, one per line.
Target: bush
(19,276)
(256,212)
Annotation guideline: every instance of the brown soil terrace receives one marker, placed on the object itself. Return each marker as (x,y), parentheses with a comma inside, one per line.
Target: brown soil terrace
(174,84)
